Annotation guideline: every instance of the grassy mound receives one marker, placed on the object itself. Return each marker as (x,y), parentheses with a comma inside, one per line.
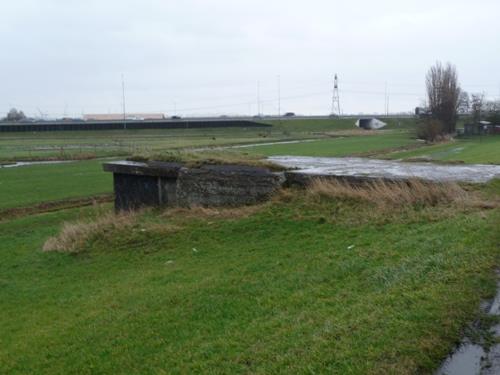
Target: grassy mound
(313,281)
(200,158)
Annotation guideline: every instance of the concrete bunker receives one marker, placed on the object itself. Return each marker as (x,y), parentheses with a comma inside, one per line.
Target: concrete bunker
(138,184)
(153,183)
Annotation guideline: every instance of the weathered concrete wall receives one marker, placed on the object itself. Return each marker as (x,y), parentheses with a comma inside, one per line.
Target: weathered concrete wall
(226,185)
(170,184)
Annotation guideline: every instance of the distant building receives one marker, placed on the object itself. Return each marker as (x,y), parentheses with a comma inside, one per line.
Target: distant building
(119,116)
(370,123)
(481,128)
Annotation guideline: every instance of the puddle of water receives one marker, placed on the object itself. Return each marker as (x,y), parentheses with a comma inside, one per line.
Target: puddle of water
(388,168)
(25,163)
(472,359)
(255,145)
(495,305)
(466,360)
(272,143)
(492,366)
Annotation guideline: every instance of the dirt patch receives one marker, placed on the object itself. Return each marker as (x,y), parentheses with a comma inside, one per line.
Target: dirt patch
(51,206)
(424,159)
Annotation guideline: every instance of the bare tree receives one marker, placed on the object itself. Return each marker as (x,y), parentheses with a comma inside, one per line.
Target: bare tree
(464,103)
(443,94)
(15,115)
(477,106)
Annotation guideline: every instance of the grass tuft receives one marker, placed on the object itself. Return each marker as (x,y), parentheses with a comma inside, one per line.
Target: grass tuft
(391,194)
(73,236)
(198,159)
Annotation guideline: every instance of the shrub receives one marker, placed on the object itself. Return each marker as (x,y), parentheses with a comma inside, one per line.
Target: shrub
(431,130)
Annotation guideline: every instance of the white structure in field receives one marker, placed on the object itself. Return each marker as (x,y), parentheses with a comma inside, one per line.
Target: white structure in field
(370,123)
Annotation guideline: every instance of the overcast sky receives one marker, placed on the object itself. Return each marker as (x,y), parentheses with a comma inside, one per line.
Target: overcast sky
(207,57)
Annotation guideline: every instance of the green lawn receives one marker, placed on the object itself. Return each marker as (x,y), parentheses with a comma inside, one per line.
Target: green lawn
(328,125)
(299,287)
(16,146)
(28,185)
(341,146)
(43,145)
(469,150)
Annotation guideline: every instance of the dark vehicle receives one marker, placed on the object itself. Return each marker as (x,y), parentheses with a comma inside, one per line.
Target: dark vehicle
(175,117)
(289,114)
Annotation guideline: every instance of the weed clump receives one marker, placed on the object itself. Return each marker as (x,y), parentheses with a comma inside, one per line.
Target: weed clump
(390,194)
(199,159)
(73,236)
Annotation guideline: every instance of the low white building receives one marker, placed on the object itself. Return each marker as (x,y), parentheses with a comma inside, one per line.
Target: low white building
(370,123)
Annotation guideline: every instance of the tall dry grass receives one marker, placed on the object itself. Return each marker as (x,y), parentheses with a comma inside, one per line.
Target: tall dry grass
(391,194)
(74,235)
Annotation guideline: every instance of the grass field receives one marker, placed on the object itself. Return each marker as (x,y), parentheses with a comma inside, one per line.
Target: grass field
(341,146)
(298,286)
(16,146)
(28,185)
(68,145)
(24,186)
(302,284)
(484,150)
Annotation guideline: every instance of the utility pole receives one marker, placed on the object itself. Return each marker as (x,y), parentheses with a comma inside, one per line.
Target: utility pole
(279,98)
(336,97)
(123,102)
(258,98)
(386,98)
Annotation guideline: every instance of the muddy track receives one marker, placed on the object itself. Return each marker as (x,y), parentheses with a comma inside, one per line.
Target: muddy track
(51,206)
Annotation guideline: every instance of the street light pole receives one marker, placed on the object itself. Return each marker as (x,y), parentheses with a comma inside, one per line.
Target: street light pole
(123,100)
(279,98)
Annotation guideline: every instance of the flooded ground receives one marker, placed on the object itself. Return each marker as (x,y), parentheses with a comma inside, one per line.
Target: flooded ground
(26,163)
(364,167)
(476,358)
(250,145)
(271,143)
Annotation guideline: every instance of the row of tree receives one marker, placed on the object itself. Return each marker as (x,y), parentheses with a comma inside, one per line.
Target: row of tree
(446,100)
(15,115)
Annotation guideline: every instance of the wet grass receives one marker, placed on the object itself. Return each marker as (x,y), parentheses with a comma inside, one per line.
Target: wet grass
(483,150)
(304,284)
(331,125)
(342,146)
(74,145)
(45,145)
(31,185)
